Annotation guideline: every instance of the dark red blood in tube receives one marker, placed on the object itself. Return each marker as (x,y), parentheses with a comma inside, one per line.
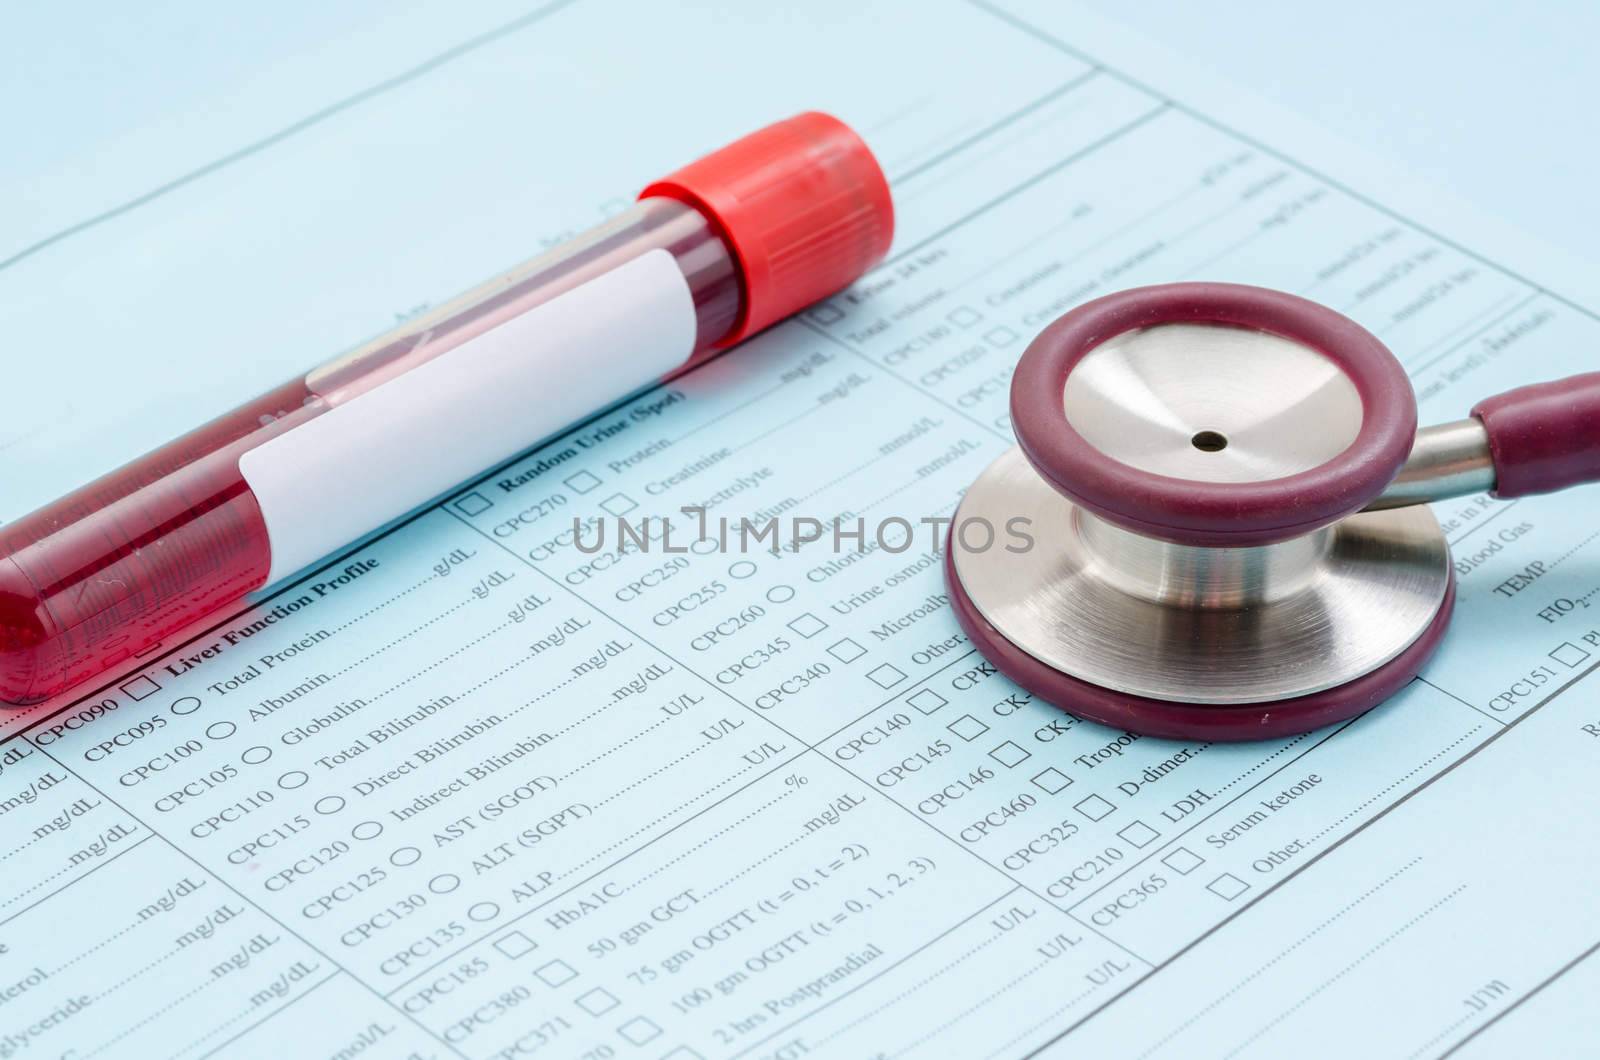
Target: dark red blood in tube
(110,569)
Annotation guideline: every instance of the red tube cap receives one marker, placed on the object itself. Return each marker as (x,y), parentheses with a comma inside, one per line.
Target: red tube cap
(802,204)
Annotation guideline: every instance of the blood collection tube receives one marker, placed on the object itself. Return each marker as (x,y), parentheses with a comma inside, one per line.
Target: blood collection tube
(714,253)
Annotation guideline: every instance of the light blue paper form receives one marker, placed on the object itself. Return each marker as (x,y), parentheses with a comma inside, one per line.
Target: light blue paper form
(466,791)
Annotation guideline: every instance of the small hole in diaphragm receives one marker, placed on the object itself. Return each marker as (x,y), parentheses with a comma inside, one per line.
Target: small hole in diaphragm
(1210,442)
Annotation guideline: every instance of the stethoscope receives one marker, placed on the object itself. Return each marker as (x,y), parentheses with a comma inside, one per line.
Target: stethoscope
(1225,491)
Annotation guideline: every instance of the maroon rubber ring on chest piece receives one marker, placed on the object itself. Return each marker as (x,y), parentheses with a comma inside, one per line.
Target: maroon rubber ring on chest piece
(1214,514)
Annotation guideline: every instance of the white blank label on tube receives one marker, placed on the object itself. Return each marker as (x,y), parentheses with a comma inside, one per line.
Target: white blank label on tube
(327,482)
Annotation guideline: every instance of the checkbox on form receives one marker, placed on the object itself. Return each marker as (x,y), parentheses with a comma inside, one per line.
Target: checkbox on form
(582,482)
(826,314)
(886,676)
(846,650)
(967,727)
(639,1030)
(1227,886)
(1000,337)
(1010,755)
(555,973)
(1183,861)
(515,944)
(808,625)
(1138,834)
(1569,655)
(1052,781)
(1095,807)
(139,688)
(474,503)
(597,1002)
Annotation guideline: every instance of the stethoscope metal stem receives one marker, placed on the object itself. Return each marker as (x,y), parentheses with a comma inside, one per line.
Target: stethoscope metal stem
(1448,460)
(1192,576)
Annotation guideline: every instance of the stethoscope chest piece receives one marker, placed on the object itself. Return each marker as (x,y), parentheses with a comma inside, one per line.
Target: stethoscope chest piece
(1178,543)
(1173,640)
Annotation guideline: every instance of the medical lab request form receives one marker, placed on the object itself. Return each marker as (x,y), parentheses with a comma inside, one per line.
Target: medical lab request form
(468,790)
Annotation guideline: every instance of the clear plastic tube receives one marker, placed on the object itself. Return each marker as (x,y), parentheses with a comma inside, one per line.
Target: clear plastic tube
(755,230)
(702,256)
